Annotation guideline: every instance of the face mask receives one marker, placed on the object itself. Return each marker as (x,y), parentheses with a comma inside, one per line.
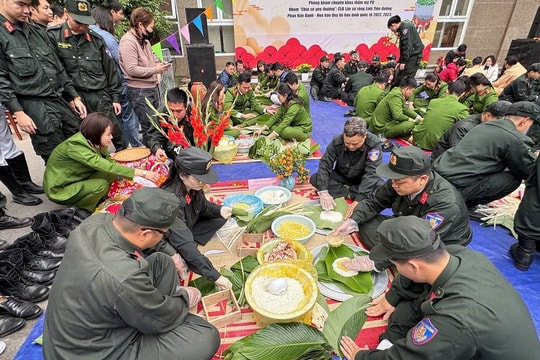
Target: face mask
(148,35)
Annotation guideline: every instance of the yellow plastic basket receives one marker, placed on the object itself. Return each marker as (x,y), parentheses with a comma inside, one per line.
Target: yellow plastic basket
(226,152)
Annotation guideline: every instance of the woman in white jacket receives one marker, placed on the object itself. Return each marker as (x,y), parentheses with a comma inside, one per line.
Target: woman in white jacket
(491,67)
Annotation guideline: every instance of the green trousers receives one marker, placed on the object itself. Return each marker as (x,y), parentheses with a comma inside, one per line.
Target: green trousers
(398,129)
(93,190)
(194,339)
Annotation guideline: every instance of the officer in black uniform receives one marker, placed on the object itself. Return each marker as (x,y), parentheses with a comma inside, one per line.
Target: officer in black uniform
(317,78)
(412,189)
(410,47)
(89,64)
(33,83)
(131,306)
(493,158)
(526,223)
(375,67)
(334,81)
(347,168)
(448,302)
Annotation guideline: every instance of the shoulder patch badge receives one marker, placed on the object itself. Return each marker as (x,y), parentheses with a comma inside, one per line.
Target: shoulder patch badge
(434,219)
(404,31)
(374,154)
(423,332)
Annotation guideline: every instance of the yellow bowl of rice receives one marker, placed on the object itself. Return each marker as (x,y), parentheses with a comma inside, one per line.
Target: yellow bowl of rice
(294,227)
(294,305)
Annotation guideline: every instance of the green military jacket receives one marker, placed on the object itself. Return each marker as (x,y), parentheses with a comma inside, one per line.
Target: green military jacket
(471,312)
(438,92)
(410,43)
(366,101)
(439,203)
(488,148)
(75,160)
(241,104)
(302,93)
(269,83)
(392,107)
(29,66)
(521,89)
(291,114)
(103,300)
(441,114)
(87,61)
(477,104)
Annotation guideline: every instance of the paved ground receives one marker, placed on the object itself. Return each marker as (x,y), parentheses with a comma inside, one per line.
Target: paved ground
(37,167)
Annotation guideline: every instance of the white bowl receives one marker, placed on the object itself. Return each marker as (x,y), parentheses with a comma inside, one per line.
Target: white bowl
(297,219)
(280,195)
(245,144)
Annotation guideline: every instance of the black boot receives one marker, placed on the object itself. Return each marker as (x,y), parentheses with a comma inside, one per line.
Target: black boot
(37,246)
(523,253)
(10,305)
(14,284)
(47,232)
(19,195)
(10,324)
(10,222)
(19,166)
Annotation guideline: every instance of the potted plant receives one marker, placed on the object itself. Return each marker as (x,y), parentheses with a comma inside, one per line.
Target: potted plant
(285,162)
(304,70)
(421,72)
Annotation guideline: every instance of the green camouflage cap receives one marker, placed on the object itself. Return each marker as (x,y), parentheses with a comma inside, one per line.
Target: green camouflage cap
(404,237)
(155,208)
(80,11)
(405,161)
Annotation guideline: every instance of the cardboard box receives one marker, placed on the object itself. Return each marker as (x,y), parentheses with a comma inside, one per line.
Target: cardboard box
(224,303)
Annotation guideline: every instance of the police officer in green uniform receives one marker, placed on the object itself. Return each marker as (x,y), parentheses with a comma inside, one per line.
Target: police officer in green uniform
(393,117)
(484,94)
(89,64)
(243,104)
(526,223)
(432,88)
(110,302)
(33,83)
(410,47)
(448,302)
(493,158)
(369,96)
(356,82)
(412,189)
(299,89)
(454,135)
(347,168)
(441,114)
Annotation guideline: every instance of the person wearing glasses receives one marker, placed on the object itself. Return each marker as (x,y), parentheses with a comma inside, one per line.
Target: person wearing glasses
(122,303)
(192,171)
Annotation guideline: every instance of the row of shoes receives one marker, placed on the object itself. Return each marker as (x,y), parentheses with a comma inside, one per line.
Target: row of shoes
(28,266)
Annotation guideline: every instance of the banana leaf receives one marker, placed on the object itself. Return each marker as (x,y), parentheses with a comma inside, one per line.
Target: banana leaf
(341,206)
(361,283)
(291,341)
(346,320)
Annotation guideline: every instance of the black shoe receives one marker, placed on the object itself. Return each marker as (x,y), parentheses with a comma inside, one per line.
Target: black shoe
(26,199)
(10,222)
(324,98)
(51,254)
(10,324)
(349,113)
(387,146)
(40,277)
(19,308)
(42,264)
(523,253)
(19,168)
(32,188)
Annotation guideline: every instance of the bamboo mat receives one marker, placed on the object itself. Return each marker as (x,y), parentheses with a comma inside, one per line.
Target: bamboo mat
(246,326)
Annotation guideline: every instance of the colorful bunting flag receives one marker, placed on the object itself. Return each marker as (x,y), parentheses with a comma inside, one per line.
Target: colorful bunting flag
(174,42)
(198,24)
(157,50)
(184,30)
(219,5)
(208,13)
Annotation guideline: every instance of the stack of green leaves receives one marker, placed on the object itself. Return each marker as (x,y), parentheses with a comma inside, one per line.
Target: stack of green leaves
(362,283)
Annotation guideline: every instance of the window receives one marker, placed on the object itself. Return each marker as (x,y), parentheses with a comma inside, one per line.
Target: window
(169,6)
(451,24)
(220,29)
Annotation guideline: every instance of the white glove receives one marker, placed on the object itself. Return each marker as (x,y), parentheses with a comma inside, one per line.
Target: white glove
(360,263)
(347,227)
(327,202)
(223,283)
(226,212)
(194,295)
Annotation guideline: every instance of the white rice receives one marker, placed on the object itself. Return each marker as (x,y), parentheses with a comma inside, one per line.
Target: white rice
(332,216)
(273,197)
(277,304)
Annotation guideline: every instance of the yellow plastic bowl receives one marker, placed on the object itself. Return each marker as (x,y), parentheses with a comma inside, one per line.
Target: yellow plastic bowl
(283,269)
(302,252)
